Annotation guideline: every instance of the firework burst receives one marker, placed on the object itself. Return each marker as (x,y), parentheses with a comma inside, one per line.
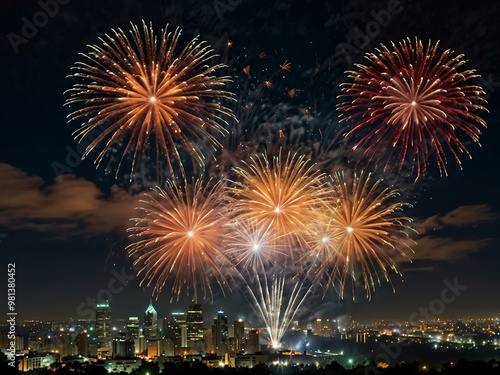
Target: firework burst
(147,93)
(323,238)
(365,232)
(252,248)
(180,237)
(409,103)
(281,195)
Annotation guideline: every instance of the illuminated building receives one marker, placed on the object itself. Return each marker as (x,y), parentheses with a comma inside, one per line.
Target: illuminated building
(220,333)
(150,322)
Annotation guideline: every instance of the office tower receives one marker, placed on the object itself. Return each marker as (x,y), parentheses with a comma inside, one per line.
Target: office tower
(318,326)
(209,341)
(253,343)
(82,343)
(132,328)
(220,333)
(239,333)
(123,348)
(150,322)
(162,326)
(103,324)
(167,347)
(35,342)
(153,348)
(194,322)
(179,329)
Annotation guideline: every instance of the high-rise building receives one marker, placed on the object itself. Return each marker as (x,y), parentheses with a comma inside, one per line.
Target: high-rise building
(82,343)
(153,348)
(162,326)
(35,342)
(239,333)
(318,326)
(220,333)
(253,343)
(103,324)
(194,322)
(209,341)
(123,348)
(150,322)
(179,329)
(132,328)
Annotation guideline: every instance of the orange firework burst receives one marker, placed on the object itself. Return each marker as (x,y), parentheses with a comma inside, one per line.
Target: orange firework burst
(282,195)
(365,231)
(410,102)
(145,91)
(180,237)
(322,240)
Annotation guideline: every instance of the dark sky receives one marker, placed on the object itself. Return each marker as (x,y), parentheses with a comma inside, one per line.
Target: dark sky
(66,233)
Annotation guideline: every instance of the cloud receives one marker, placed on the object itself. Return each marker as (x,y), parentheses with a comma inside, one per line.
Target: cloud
(445,237)
(463,216)
(68,207)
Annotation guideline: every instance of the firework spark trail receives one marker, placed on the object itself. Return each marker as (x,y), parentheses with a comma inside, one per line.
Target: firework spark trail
(274,306)
(146,91)
(366,230)
(180,237)
(412,103)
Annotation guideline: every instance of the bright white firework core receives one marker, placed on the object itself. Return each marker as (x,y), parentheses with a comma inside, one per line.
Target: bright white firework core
(190,233)
(350,229)
(152,99)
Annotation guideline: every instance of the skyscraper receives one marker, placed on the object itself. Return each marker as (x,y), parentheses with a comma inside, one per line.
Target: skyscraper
(194,321)
(132,328)
(253,343)
(180,329)
(220,333)
(103,324)
(82,343)
(150,322)
(239,334)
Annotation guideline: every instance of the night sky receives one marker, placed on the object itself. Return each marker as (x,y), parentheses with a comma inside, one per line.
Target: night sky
(63,222)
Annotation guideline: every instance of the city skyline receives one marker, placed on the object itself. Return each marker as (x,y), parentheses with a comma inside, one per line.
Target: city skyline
(63,222)
(349,341)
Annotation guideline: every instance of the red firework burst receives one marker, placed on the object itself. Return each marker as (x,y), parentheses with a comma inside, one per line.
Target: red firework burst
(411,103)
